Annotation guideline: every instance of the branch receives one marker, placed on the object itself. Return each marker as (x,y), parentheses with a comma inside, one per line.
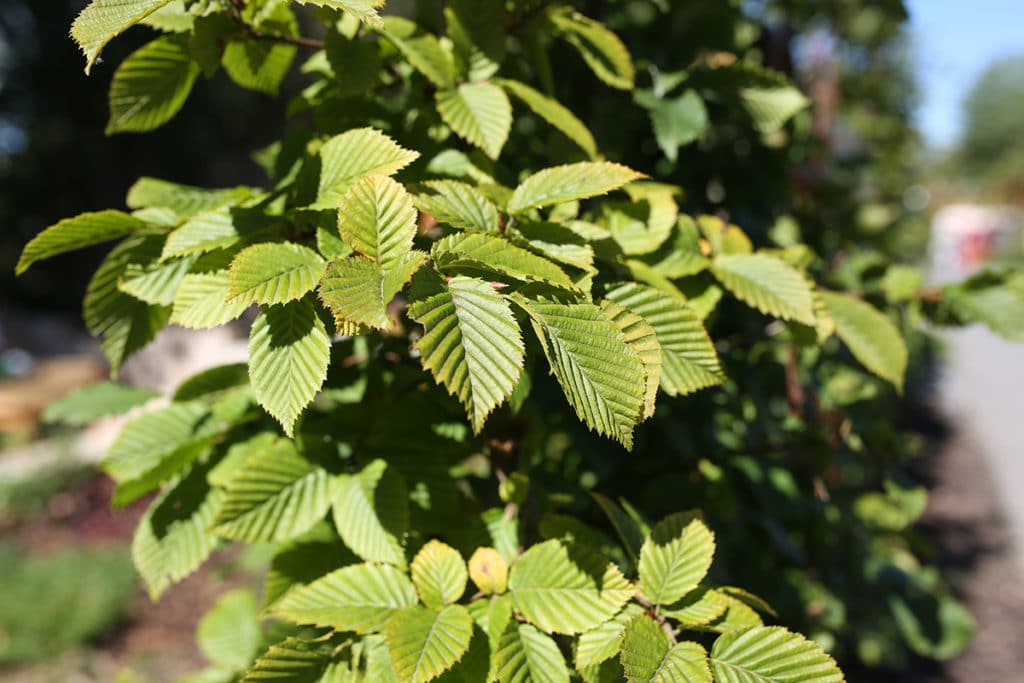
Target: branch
(235,8)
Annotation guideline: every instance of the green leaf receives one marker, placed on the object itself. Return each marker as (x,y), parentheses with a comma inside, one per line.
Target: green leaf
(358,598)
(357,290)
(675,558)
(151,85)
(79,232)
(554,241)
(289,352)
(871,336)
(425,643)
(261,65)
(649,657)
(363,10)
(458,205)
(644,340)
(471,343)
(303,560)
(229,634)
(766,283)
(171,540)
(124,323)
(526,655)
(201,301)
(153,281)
(630,531)
(439,574)
(423,51)
(213,384)
(297,661)
(480,113)
(678,121)
(371,512)
(552,111)
(771,654)
(569,182)
(103,399)
(737,616)
(601,49)
(689,361)
(274,273)
(604,642)
(276,496)
(771,108)
(102,20)
(602,376)
(565,588)
(698,608)
(377,219)
(477,251)
(355,154)
(151,437)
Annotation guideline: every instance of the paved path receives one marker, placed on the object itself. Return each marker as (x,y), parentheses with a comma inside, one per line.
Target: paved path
(983,397)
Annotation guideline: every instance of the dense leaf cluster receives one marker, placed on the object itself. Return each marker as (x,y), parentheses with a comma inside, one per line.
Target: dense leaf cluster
(449,318)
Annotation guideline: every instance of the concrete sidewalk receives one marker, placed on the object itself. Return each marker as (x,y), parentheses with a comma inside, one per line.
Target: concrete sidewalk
(981,395)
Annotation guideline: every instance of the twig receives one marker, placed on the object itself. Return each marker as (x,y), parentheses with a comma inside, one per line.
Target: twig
(235,8)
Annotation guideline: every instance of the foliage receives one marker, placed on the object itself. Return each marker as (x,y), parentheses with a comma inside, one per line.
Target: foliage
(465,314)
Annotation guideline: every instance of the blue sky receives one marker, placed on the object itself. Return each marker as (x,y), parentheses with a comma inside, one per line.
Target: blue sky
(954,41)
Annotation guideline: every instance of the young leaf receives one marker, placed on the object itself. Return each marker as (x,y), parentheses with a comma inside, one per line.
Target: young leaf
(377,219)
(649,657)
(102,20)
(124,323)
(698,608)
(201,301)
(363,10)
(79,232)
(276,496)
(150,438)
(644,340)
(602,376)
(371,512)
(552,111)
(471,343)
(689,361)
(478,112)
(151,85)
(565,588)
(572,181)
(423,50)
(153,281)
(425,643)
(871,336)
(353,155)
(183,200)
(439,574)
(172,538)
(458,205)
(289,352)
(274,273)
(229,635)
(489,571)
(296,661)
(772,655)
(261,65)
(360,598)
(358,291)
(768,284)
(601,49)
(675,558)
(604,642)
(526,655)
(476,252)
(103,399)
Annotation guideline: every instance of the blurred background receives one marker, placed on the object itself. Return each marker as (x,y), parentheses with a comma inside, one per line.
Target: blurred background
(942,88)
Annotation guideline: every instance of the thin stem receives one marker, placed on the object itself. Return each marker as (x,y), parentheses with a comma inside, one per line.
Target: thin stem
(235,8)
